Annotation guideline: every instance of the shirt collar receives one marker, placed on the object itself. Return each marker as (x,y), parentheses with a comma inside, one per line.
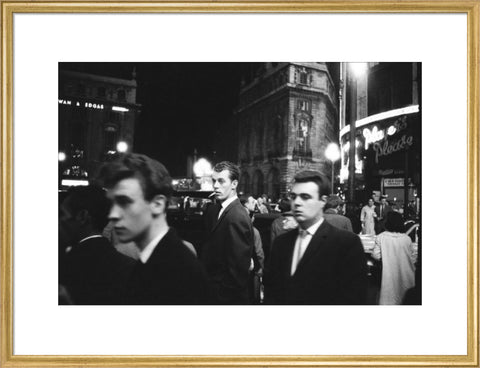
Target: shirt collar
(90,237)
(226,202)
(312,229)
(146,252)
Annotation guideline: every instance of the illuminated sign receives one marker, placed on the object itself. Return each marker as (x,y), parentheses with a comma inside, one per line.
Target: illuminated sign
(388,147)
(88,105)
(93,105)
(382,116)
(120,109)
(71,183)
(393,182)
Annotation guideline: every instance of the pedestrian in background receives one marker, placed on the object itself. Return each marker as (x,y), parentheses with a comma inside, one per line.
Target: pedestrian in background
(228,249)
(395,249)
(92,272)
(331,213)
(367,217)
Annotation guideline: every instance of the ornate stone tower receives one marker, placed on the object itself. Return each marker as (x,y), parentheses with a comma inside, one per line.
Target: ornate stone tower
(287,115)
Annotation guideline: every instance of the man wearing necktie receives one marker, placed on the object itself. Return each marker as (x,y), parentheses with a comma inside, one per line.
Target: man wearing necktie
(381,210)
(316,263)
(228,249)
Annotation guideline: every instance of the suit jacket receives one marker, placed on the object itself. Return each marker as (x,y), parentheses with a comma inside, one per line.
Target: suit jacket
(386,210)
(339,221)
(227,252)
(172,275)
(333,270)
(94,273)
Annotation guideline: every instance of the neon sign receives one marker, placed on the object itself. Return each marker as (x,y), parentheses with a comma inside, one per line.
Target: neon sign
(387,148)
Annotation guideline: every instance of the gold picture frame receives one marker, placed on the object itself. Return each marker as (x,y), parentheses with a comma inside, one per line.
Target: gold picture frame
(9,8)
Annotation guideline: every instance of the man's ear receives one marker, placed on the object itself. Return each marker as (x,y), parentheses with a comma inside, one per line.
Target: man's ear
(159,204)
(234,184)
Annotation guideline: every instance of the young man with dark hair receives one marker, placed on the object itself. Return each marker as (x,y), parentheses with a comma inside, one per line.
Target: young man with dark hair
(227,251)
(139,189)
(90,270)
(317,263)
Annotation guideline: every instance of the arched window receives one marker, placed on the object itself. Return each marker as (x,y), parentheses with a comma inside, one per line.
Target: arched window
(273,183)
(109,138)
(302,145)
(244,183)
(257,183)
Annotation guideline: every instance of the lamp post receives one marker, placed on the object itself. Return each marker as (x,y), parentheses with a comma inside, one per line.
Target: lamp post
(333,154)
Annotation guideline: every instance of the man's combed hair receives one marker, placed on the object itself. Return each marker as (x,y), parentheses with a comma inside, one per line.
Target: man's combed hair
(92,199)
(153,176)
(333,201)
(234,171)
(316,177)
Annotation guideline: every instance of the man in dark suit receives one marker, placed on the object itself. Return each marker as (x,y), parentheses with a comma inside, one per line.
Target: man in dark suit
(91,271)
(228,249)
(318,263)
(381,210)
(332,215)
(167,272)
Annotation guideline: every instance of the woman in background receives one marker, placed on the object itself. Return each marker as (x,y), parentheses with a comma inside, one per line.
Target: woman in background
(367,217)
(395,249)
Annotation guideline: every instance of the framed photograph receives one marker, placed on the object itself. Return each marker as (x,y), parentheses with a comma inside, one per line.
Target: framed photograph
(430,48)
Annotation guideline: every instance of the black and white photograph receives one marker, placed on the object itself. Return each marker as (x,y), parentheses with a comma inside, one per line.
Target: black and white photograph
(240,183)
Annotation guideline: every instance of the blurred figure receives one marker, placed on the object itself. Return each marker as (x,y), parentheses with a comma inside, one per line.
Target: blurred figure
(257,264)
(318,263)
(93,272)
(227,252)
(331,213)
(381,211)
(251,205)
(367,217)
(285,222)
(167,272)
(261,206)
(395,249)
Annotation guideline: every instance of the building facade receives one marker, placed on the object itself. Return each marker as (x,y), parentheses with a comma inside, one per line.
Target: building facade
(286,117)
(96,116)
(387,130)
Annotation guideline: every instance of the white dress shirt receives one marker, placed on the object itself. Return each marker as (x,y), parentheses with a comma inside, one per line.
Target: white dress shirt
(145,254)
(301,245)
(225,204)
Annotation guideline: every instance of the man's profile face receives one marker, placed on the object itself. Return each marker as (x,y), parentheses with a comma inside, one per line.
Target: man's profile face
(222,185)
(130,213)
(69,226)
(384,201)
(306,203)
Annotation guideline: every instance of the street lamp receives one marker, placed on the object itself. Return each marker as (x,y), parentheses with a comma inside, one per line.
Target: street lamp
(333,154)
(203,170)
(122,146)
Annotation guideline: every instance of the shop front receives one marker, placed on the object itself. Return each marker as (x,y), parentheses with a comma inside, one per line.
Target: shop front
(388,158)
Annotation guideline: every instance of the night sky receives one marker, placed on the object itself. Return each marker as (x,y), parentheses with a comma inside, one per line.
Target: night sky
(183,105)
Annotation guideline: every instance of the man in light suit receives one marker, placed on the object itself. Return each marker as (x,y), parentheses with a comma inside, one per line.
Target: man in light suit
(167,272)
(228,249)
(317,263)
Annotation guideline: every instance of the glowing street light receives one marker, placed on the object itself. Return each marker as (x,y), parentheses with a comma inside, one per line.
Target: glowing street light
(203,171)
(122,146)
(62,156)
(332,153)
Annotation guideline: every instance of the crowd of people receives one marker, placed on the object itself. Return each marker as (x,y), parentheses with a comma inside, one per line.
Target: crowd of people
(314,257)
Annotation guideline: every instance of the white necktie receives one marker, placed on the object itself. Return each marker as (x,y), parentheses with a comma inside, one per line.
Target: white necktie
(300,246)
